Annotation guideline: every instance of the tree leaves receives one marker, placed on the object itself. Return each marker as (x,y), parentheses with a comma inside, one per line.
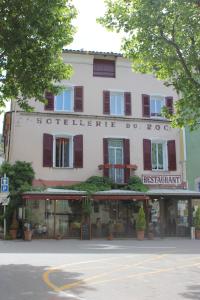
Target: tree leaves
(163,38)
(32,35)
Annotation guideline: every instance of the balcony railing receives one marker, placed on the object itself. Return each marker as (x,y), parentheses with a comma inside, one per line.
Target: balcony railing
(117,166)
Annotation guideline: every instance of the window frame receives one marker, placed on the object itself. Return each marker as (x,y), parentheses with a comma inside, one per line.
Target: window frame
(156,98)
(71,147)
(116,93)
(71,88)
(164,155)
(115,154)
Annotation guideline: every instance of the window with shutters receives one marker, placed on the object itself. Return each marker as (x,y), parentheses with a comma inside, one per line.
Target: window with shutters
(104,68)
(159,157)
(116,156)
(117,103)
(62,152)
(156,105)
(64,100)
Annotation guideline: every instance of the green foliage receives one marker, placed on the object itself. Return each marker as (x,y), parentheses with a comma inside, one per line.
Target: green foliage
(163,38)
(140,220)
(33,34)
(87,207)
(135,184)
(92,185)
(20,176)
(197,219)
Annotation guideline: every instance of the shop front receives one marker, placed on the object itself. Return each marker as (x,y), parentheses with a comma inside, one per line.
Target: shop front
(60,214)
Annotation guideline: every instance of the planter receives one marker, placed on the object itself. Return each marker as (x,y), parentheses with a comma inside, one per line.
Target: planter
(197,234)
(13,233)
(140,235)
(110,237)
(28,235)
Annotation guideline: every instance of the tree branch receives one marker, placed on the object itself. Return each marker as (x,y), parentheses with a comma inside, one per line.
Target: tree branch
(181,58)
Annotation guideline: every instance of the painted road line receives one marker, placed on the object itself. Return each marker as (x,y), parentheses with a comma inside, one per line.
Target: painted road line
(91,278)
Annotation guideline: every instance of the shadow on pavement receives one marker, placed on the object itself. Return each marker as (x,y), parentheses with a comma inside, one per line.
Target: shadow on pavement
(192,293)
(22,282)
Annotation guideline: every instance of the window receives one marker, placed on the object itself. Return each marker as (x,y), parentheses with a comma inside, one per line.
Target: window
(62,152)
(117,103)
(156,105)
(152,105)
(158,153)
(64,101)
(115,153)
(104,68)
(71,99)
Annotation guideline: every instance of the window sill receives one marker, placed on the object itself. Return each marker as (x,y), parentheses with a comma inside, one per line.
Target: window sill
(61,168)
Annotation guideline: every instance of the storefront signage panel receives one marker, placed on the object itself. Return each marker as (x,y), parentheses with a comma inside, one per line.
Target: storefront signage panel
(162,179)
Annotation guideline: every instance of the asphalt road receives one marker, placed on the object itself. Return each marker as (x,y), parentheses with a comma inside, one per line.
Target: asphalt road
(100,270)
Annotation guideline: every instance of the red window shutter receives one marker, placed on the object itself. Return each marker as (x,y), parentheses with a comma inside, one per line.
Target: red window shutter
(171,147)
(126,143)
(78,151)
(78,99)
(105,157)
(47,150)
(104,68)
(106,102)
(127,103)
(146,106)
(169,104)
(147,154)
(50,101)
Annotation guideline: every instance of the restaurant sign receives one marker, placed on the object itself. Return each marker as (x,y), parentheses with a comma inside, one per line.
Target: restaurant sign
(162,179)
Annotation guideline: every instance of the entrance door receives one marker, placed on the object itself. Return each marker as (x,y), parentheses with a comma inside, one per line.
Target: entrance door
(176,216)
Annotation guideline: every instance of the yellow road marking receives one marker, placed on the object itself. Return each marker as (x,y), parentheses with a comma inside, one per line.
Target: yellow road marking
(78,282)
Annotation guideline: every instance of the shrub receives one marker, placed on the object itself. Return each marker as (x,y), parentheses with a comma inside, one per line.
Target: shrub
(140,220)
(197,219)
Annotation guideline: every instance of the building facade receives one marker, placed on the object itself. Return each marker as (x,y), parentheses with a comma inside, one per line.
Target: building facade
(192,144)
(106,122)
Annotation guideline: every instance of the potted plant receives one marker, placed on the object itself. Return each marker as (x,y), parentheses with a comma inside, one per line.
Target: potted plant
(197,223)
(14,226)
(27,232)
(140,224)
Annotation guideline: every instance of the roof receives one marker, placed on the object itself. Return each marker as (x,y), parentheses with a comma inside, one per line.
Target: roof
(59,193)
(82,51)
(173,192)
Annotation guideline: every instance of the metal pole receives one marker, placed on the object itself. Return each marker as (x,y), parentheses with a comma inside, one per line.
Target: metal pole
(4,227)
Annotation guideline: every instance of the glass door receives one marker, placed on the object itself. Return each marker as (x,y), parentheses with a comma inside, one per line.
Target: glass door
(115,152)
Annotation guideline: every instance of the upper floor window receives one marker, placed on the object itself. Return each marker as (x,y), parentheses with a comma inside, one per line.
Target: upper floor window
(156,105)
(104,68)
(117,103)
(62,151)
(159,155)
(63,157)
(69,100)
(64,101)
(152,105)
